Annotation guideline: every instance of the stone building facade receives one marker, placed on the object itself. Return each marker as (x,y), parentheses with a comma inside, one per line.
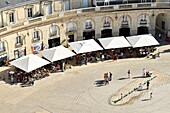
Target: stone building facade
(31,26)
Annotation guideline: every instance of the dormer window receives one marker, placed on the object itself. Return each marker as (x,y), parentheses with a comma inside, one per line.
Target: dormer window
(29,12)
(48,8)
(11,18)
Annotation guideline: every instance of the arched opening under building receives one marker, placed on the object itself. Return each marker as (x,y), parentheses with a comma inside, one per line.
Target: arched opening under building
(125,26)
(106,31)
(89,32)
(143,21)
(162,25)
(71,31)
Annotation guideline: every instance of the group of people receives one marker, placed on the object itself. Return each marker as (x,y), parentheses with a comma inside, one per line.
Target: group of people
(144,73)
(107,77)
(19,76)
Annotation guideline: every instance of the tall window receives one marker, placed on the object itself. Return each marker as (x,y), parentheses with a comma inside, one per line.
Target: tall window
(88,24)
(124,20)
(36,36)
(2,46)
(11,18)
(49,9)
(106,22)
(29,12)
(18,39)
(70,26)
(143,19)
(53,31)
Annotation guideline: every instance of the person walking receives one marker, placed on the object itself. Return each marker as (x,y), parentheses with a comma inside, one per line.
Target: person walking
(129,73)
(144,72)
(102,57)
(151,95)
(110,76)
(106,79)
(160,36)
(147,84)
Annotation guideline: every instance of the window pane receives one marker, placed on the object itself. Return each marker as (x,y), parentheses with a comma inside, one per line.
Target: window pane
(36,35)
(11,17)
(1,46)
(53,30)
(30,12)
(70,26)
(18,39)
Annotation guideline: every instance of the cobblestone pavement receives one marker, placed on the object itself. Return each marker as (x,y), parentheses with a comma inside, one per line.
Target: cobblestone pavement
(76,91)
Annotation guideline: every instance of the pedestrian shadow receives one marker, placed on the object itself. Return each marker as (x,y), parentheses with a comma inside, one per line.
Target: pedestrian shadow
(123,78)
(99,83)
(138,77)
(142,89)
(146,99)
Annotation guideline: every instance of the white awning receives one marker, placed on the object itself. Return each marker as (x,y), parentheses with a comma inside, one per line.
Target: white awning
(29,63)
(114,42)
(85,46)
(142,40)
(56,53)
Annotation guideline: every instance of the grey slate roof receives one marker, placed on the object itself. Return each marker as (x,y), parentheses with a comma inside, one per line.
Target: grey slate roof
(8,4)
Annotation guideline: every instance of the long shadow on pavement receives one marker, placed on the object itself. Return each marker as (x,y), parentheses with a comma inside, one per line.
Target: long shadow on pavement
(100,83)
(123,78)
(146,99)
(138,77)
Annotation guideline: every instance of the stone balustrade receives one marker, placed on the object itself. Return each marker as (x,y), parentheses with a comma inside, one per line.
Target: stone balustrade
(90,10)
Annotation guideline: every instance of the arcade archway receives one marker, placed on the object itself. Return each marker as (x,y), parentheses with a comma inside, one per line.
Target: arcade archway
(162,24)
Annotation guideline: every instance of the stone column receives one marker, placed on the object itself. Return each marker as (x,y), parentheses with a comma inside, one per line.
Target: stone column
(133,24)
(98,23)
(80,28)
(152,25)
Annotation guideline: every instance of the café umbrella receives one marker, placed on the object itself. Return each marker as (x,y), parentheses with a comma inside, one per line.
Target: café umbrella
(57,53)
(29,63)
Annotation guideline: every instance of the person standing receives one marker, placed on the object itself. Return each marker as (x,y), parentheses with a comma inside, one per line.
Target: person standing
(151,95)
(106,78)
(110,76)
(144,72)
(160,36)
(102,57)
(147,84)
(129,73)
